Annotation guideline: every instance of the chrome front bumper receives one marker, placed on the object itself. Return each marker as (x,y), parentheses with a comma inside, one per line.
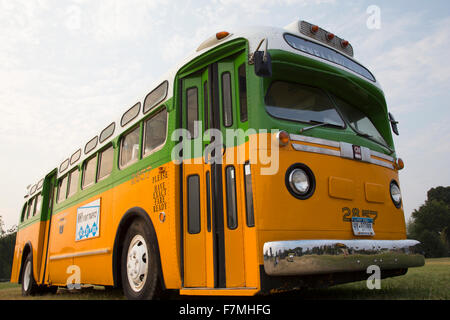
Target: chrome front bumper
(310,257)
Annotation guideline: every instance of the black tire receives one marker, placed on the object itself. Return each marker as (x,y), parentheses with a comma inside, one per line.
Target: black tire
(138,286)
(29,286)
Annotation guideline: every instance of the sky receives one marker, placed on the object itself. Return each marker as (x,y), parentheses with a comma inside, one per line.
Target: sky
(70,67)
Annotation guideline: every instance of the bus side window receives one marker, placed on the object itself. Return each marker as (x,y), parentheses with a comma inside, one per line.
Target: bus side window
(243,92)
(73,183)
(129,148)
(206,123)
(24,212)
(193,210)
(105,163)
(155,130)
(30,208)
(231,198)
(227,103)
(208,201)
(89,170)
(249,195)
(62,189)
(38,208)
(192,110)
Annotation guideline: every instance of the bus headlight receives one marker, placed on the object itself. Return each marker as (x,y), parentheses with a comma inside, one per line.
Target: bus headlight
(396,195)
(300,181)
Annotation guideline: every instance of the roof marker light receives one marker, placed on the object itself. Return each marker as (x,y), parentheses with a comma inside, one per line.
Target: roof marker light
(344,44)
(314,28)
(330,36)
(222,34)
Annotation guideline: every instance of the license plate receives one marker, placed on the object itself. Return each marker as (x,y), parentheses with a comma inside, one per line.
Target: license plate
(362,226)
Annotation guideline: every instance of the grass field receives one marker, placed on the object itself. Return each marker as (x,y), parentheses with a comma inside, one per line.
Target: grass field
(431,282)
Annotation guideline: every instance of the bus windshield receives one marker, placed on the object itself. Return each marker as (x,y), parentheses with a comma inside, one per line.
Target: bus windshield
(293,101)
(297,102)
(359,122)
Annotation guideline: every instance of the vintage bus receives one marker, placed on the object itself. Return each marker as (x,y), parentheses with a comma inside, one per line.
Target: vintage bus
(309,196)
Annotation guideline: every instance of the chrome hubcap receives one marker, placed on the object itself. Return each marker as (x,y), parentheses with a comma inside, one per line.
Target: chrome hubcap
(137,263)
(27,277)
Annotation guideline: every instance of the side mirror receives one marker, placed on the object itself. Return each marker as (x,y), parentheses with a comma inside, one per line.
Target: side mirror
(393,124)
(263,64)
(262,61)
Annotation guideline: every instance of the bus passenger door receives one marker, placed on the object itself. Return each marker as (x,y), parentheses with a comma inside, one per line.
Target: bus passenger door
(231,171)
(197,235)
(48,190)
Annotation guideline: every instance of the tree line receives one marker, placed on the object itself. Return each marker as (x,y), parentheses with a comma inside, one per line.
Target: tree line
(430,224)
(7,244)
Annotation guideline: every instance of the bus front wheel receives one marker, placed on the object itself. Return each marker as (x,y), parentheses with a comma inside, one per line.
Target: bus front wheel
(139,263)
(29,286)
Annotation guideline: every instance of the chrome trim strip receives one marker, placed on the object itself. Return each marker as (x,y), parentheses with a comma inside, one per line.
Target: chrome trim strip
(382,156)
(80,254)
(346,150)
(330,143)
(302,147)
(308,257)
(381,163)
(365,154)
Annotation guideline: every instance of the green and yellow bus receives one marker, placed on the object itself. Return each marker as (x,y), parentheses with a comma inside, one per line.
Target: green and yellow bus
(264,162)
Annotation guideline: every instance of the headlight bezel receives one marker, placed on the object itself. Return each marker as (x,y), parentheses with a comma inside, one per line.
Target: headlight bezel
(397,204)
(291,187)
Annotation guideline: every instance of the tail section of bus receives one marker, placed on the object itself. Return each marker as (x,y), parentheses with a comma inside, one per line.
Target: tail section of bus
(32,237)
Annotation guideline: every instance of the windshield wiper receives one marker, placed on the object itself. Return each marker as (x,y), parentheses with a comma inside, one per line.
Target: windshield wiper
(319,124)
(362,134)
(366,135)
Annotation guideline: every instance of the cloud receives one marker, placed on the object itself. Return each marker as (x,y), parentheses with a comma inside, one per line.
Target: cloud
(411,64)
(409,61)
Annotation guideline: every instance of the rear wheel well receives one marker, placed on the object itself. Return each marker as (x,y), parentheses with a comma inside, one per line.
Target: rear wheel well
(131,216)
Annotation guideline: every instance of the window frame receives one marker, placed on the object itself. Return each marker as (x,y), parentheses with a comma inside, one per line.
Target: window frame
(206,109)
(40,184)
(194,134)
(30,204)
(24,212)
(197,229)
(64,165)
(248,182)
(99,162)
(160,100)
(241,119)
(113,124)
(69,182)
(60,181)
(223,98)
(77,155)
(136,106)
(144,125)
(84,187)
(228,199)
(121,138)
(93,147)
(208,201)
(35,211)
